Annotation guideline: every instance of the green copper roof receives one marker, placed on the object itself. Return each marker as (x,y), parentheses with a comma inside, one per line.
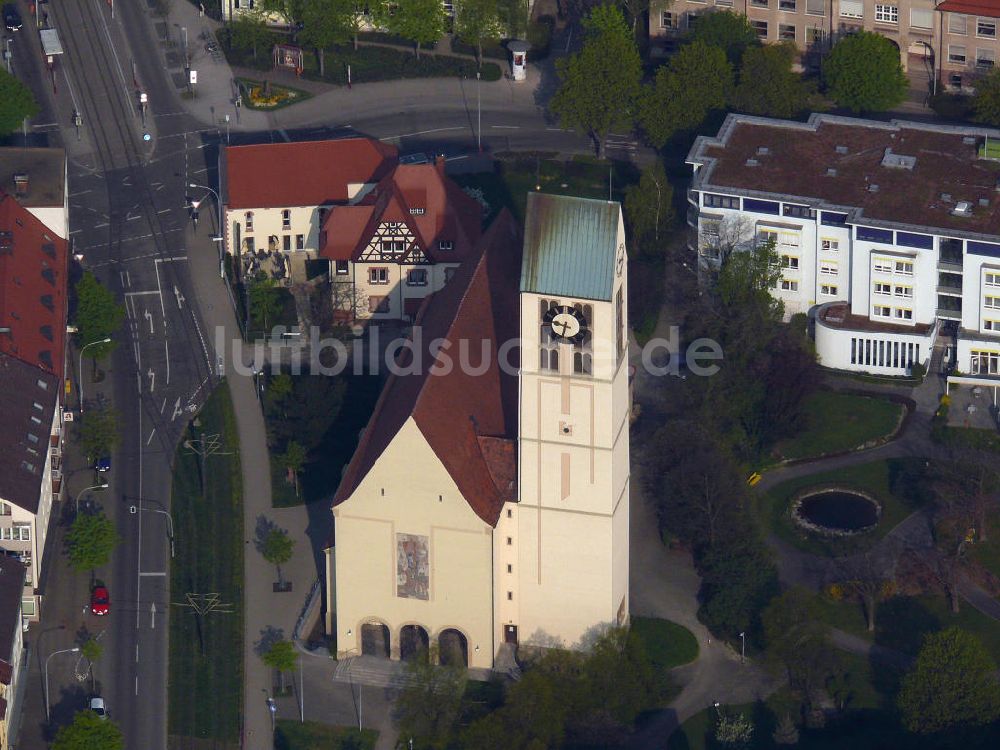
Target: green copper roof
(569,246)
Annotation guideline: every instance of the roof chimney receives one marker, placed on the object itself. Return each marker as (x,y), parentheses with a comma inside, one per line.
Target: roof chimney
(21,183)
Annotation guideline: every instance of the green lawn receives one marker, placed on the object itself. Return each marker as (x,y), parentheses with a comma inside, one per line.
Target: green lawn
(837,422)
(987,554)
(290,734)
(668,644)
(897,483)
(206,657)
(902,622)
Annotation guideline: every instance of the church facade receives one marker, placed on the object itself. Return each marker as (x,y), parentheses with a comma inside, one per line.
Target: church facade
(487,502)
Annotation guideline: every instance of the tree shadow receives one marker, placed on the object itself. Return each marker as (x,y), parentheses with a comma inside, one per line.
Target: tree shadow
(70,700)
(263,528)
(268,637)
(902,624)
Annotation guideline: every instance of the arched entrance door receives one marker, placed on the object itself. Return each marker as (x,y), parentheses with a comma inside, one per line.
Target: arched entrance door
(413,642)
(375,639)
(453,648)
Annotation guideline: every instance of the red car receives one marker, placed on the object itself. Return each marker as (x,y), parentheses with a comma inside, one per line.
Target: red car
(100,601)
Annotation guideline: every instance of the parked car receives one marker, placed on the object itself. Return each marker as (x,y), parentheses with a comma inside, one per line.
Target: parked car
(100,601)
(103,464)
(11,18)
(98,707)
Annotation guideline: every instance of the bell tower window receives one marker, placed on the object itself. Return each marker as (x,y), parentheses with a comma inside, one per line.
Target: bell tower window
(548,345)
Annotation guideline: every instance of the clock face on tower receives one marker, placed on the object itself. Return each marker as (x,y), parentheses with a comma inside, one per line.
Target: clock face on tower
(568,323)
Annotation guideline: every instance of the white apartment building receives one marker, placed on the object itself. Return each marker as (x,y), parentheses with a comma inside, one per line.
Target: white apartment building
(889,232)
(12,661)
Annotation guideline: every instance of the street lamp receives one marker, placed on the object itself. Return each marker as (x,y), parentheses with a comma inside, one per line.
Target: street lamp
(743,648)
(479,113)
(106,340)
(101,486)
(221,237)
(73,650)
(273,709)
(170,526)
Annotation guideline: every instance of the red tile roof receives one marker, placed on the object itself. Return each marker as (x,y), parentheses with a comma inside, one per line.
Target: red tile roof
(468,420)
(305,173)
(33,269)
(988,8)
(448,214)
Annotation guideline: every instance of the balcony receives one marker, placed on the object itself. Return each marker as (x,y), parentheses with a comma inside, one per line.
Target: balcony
(946,314)
(950,264)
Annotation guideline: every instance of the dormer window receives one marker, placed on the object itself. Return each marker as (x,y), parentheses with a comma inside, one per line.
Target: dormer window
(42,384)
(446,245)
(286,219)
(342,267)
(416,212)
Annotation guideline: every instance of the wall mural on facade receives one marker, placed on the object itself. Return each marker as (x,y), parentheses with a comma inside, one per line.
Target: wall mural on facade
(412,566)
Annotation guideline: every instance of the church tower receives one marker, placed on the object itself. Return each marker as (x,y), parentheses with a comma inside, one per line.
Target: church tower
(561,552)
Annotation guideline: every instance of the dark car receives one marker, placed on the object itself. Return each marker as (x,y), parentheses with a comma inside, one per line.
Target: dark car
(11,18)
(103,464)
(100,601)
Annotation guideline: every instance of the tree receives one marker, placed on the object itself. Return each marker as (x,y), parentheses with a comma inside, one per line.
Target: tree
(277,548)
(649,204)
(734,732)
(429,705)
(98,433)
(870,577)
(738,580)
(951,685)
(514,17)
(88,731)
(265,301)
(249,29)
(798,642)
(280,386)
(281,656)
(16,103)
(863,73)
(731,32)
(599,86)
(420,21)
(635,9)
(476,20)
(697,80)
(768,86)
(290,11)
(986,102)
(293,459)
(99,315)
(786,733)
(90,541)
(326,24)
(307,412)
(91,650)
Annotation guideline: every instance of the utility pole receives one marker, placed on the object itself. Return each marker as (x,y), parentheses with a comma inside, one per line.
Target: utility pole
(78,121)
(479,112)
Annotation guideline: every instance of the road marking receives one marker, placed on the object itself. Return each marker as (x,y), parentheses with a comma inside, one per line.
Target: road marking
(152,616)
(118,65)
(159,290)
(81,192)
(140,294)
(177,409)
(164,211)
(506,127)
(421,132)
(46,125)
(152,573)
(149,319)
(178,296)
(152,380)
(137,653)
(163,405)
(99,226)
(137,676)
(166,350)
(151,436)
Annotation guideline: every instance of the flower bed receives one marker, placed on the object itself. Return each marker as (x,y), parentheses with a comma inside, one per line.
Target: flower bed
(276,97)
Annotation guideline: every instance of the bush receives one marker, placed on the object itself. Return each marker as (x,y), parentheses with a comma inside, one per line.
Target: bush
(492,49)
(371,64)
(952,106)
(917,370)
(381,37)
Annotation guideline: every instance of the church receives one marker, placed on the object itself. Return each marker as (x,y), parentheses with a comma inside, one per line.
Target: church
(487,501)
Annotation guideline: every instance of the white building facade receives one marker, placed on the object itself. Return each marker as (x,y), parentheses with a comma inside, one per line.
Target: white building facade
(887,232)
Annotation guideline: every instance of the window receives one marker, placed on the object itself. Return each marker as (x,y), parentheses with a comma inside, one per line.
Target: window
(446,245)
(831,246)
(816,7)
(992,279)
(814,36)
(510,595)
(985,363)
(28,607)
(786,5)
(416,212)
(852,8)
(904,267)
(921,19)
(829,290)
(300,242)
(786,32)
(986,27)
(22,532)
(620,323)
(392,247)
(286,219)
(765,236)
(416,277)
(957,23)
(956,54)
(828,268)
(787,285)
(955,80)
(991,325)
(249,220)
(985,58)
(882,288)
(881,311)
(992,302)
(251,246)
(790,261)
(378,275)
(724,2)
(342,267)
(286,242)
(4,509)
(886,14)
(548,346)
(378,304)
(669,20)
(903,291)
(760,27)
(721,201)
(510,541)
(904,314)
(759,3)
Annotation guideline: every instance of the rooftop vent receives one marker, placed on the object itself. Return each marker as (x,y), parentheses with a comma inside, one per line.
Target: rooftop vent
(962,208)
(969,140)
(873,188)
(898,161)
(841,149)
(946,197)
(831,172)
(21,183)
(763,151)
(752,162)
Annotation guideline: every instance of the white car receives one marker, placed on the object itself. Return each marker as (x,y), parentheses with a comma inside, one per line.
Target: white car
(98,707)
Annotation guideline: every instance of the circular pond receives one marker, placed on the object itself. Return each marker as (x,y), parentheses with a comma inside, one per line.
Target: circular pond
(836,512)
